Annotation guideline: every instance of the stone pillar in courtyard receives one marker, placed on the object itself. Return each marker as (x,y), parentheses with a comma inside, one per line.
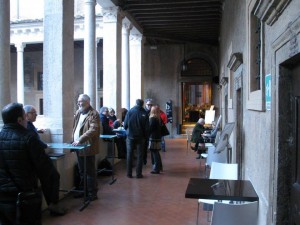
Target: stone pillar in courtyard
(112,58)
(58,69)
(136,73)
(89,81)
(126,27)
(97,98)
(20,71)
(4,55)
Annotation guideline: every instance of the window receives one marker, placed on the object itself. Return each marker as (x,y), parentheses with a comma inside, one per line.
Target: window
(255,59)
(255,42)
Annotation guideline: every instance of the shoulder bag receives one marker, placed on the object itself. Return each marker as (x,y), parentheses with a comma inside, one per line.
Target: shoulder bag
(164,130)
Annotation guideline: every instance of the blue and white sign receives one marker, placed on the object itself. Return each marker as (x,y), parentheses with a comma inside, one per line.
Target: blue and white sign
(268,91)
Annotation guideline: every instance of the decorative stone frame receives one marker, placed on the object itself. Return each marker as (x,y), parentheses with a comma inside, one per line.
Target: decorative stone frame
(284,47)
(268,12)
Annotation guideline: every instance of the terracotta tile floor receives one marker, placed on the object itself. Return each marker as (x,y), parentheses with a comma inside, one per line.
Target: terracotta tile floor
(153,200)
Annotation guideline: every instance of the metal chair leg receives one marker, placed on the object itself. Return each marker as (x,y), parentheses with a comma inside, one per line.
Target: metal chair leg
(197,214)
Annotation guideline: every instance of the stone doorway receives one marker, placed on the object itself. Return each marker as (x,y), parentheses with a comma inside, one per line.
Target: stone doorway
(288,191)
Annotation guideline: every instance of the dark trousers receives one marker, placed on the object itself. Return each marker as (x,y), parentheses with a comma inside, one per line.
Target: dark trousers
(121,147)
(156,163)
(91,175)
(139,145)
(50,187)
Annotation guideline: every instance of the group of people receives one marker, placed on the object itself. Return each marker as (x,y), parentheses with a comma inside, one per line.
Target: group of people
(143,132)
(110,122)
(24,162)
(143,129)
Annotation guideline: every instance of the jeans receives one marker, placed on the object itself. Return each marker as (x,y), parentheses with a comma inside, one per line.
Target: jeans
(91,175)
(163,144)
(139,145)
(157,163)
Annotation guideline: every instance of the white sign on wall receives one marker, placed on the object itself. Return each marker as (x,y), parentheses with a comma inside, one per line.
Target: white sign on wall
(268,91)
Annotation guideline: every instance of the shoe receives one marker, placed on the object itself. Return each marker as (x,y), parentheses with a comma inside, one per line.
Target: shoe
(92,197)
(155,172)
(139,176)
(57,210)
(198,157)
(129,175)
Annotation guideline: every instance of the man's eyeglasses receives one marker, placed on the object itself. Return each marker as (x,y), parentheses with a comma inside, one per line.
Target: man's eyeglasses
(33,113)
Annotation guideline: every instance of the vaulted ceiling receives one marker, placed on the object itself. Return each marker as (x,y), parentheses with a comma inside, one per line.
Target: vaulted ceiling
(176,21)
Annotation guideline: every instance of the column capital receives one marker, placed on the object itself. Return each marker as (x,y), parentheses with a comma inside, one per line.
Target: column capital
(20,46)
(87,2)
(111,14)
(136,37)
(126,24)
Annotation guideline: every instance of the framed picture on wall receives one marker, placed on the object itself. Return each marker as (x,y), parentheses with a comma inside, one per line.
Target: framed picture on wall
(39,81)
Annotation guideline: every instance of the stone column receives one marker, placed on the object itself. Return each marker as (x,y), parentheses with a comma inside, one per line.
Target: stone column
(4,55)
(112,58)
(89,82)
(58,68)
(97,99)
(126,27)
(20,71)
(136,73)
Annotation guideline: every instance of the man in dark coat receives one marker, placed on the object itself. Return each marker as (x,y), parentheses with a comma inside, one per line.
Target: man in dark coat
(23,162)
(197,135)
(136,125)
(31,114)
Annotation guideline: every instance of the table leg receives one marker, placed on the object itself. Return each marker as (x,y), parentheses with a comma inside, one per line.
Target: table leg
(86,201)
(113,179)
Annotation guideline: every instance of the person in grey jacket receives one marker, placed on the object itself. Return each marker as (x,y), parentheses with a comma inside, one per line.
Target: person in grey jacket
(23,162)
(136,125)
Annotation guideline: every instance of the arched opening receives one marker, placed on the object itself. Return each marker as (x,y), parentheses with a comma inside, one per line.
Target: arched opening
(196,90)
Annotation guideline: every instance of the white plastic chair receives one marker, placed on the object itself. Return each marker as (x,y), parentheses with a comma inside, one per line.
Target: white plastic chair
(222,171)
(235,214)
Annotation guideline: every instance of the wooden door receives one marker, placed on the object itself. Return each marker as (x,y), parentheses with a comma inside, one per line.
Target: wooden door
(295,186)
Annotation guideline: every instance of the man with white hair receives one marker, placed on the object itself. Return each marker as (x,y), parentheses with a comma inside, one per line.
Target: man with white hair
(197,135)
(31,114)
(86,130)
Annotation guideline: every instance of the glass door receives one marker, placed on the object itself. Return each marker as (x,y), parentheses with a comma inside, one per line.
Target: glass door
(196,98)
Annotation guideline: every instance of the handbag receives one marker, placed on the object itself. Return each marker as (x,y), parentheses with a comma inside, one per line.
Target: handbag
(164,130)
(28,204)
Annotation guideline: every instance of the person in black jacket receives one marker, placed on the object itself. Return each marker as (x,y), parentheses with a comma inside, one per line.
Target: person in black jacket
(31,114)
(155,139)
(136,125)
(23,162)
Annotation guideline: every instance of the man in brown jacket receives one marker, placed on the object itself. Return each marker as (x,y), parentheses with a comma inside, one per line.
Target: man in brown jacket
(86,130)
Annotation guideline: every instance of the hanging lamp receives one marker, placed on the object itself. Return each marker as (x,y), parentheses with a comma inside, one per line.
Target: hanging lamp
(184,63)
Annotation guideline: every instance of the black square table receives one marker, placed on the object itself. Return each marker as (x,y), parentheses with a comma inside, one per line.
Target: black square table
(232,190)
(69,146)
